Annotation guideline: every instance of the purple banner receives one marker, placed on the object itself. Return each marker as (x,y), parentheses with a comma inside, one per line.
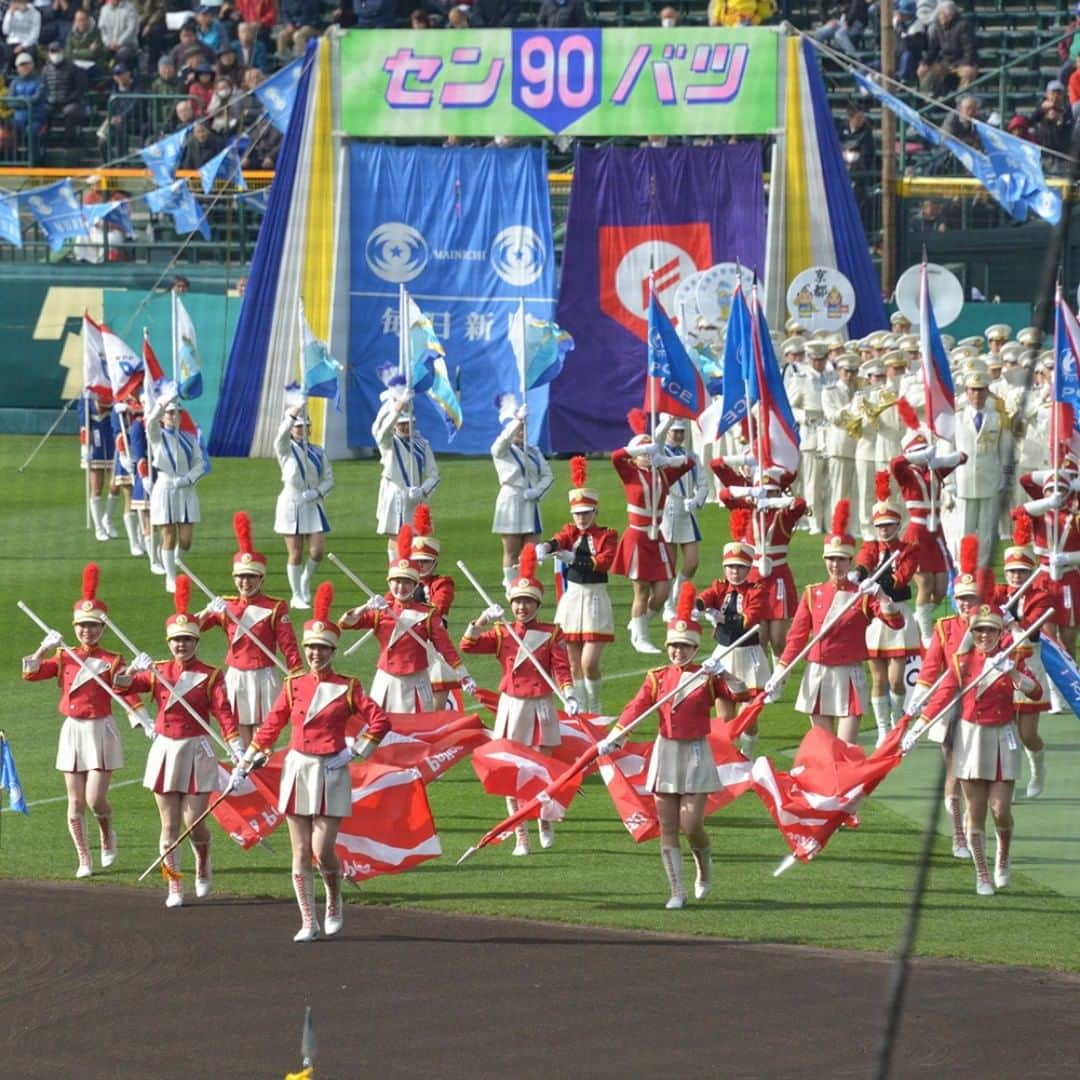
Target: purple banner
(672,210)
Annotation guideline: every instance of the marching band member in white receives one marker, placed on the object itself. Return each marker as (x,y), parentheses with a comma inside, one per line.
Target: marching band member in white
(806,396)
(524,479)
(836,400)
(98,447)
(307,477)
(689,493)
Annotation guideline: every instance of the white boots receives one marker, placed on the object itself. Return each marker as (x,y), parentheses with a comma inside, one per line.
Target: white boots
(882,718)
(133,528)
(639,635)
(108,842)
(977,844)
(1037,764)
(174,893)
(521,832)
(671,857)
(1002,870)
(204,873)
(959,833)
(77,829)
(295,574)
(304,887)
(168,560)
(335,910)
(703,879)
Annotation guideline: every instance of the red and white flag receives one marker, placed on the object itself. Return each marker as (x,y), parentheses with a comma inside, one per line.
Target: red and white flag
(95,372)
(733,769)
(391,828)
(578,734)
(123,364)
(433,743)
(624,772)
(509,768)
(250,814)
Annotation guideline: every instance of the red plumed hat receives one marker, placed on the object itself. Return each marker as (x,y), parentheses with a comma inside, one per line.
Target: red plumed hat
(883,512)
(1021,556)
(319,630)
(638,420)
(582,498)
(684,628)
(424,544)
(246,560)
(402,565)
(741,524)
(840,541)
(88,608)
(966,583)
(526,583)
(181,623)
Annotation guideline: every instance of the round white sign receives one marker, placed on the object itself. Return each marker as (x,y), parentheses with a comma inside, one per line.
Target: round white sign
(821,298)
(715,288)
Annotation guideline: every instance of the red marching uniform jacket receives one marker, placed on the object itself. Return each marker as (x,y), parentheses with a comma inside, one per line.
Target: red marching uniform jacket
(438,591)
(992,705)
(944,644)
(80,695)
(319,706)
(1038,599)
(1066,523)
(683,717)
(845,643)
(646,496)
(268,620)
(600,543)
(401,653)
(520,678)
(914,482)
(745,602)
(200,685)
(894,581)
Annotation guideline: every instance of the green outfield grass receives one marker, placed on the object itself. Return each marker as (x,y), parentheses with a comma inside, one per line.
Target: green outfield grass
(854,896)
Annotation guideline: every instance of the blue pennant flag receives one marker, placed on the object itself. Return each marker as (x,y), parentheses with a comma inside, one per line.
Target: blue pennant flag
(10,226)
(738,363)
(177,200)
(1019,162)
(57,210)
(118,212)
(225,167)
(1062,671)
(278,93)
(320,369)
(429,371)
(674,384)
(9,778)
(545,347)
(1066,382)
(904,112)
(256,200)
(162,157)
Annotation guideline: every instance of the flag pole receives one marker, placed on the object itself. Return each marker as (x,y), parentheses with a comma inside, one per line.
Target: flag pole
(654,494)
(86,450)
(303,389)
(924,340)
(48,434)
(175,344)
(1055,430)
(755,429)
(523,377)
(405,362)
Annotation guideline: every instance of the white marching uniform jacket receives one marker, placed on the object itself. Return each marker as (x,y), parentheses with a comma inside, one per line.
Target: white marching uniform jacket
(177,463)
(406,463)
(806,397)
(519,469)
(679,525)
(836,406)
(304,467)
(988,450)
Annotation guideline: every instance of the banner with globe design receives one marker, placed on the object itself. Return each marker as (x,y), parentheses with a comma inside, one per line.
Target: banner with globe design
(468,232)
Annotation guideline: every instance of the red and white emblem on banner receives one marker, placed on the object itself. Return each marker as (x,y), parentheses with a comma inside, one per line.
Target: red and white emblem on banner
(628,253)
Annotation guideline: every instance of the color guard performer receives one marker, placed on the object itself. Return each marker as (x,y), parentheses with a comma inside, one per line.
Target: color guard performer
(682,770)
(124,475)
(437,590)
(527,712)
(89,751)
(251,678)
(986,751)
(307,477)
(181,768)
(643,556)
(524,479)
(177,462)
(689,493)
(833,687)
(316,785)
(97,450)
(587,552)
(403,627)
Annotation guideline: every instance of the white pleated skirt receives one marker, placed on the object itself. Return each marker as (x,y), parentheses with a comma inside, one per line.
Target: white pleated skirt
(515,515)
(308,789)
(882,642)
(402,693)
(187,766)
(531,721)
(749,665)
(832,690)
(682,767)
(252,693)
(87,745)
(986,752)
(173,506)
(585,613)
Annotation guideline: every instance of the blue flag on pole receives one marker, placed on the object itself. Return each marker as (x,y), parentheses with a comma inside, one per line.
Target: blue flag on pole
(117,211)
(1062,671)
(225,167)
(320,368)
(9,778)
(278,93)
(546,346)
(673,384)
(162,157)
(738,362)
(10,226)
(56,208)
(429,371)
(178,201)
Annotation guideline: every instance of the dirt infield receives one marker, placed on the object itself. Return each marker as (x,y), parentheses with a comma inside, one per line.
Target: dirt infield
(103,982)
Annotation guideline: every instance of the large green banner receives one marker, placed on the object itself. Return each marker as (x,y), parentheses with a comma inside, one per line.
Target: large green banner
(629,82)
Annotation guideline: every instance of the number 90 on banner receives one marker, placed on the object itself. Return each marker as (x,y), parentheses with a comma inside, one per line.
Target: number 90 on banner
(556,75)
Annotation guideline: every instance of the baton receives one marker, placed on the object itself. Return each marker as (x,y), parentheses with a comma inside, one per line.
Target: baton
(187,832)
(360,585)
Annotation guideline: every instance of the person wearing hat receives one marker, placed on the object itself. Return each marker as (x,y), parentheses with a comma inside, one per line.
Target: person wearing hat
(921,471)
(899,323)
(249,619)
(682,772)
(177,464)
(794,328)
(1051,121)
(138,451)
(986,755)
(643,555)
(996,336)
(307,478)
(410,473)
(841,422)
(318,707)
(526,712)
(689,493)
(833,688)
(584,614)
(403,627)
(775,515)
(805,395)
(733,605)
(982,433)
(1024,609)
(209,29)
(890,651)
(868,405)
(950,637)
(89,751)
(123,471)
(792,353)
(524,479)
(97,445)
(181,769)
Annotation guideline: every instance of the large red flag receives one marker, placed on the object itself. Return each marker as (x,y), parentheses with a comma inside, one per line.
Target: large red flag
(250,814)
(391,828)
(624,772)
(431,742)
(734,770)
(512,769)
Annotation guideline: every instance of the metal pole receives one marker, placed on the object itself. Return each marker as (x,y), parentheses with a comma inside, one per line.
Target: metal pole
(888,157)
(48,434)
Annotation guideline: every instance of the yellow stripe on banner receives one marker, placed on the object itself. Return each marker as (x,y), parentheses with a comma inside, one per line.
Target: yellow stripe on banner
(319,235)
(798,246)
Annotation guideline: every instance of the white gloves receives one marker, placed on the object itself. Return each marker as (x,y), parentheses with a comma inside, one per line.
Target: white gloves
(689,505)
(711,616)
(711,666)
(614,740)
(542,552)
(309,495)
(236,749)
(777,502)
(216,606)
(564,556)
(1057,560)
(377,603)
(141,661)
(141,718)
(181,481)
(741,461)
(468,684)
(531,494)
(237,777)
(573,706)
(1007,617)
(415,492)
(854,577)
(919,457)
(911,737)
(1001,662)
(338,760)
(521,411)
(774,686)
(52,640)
(869,587)
(492,612)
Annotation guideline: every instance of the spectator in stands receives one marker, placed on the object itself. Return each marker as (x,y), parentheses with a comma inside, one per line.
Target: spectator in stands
(740,12)
(418,20)
(1020,127)
(202,145)
(151,27)
(457,18)
(1053,101)
(929,217)
(846,30)
(301,20)
(201,86)
(22,28)
(66,88)
(184,113)
(263,13)
(909,32)
(961,124)
(62,15)
(125,117)
(119,26)
(265,142)
(374,14)
(7,132)
(190,51)
(84,47)
(31,115)
(1069,49)
(211,31)
(167,81)
(555,14)
(495,12)
(251,49)
(857,140)
(224,112)
(228,64)
(950,59)
(1051,125)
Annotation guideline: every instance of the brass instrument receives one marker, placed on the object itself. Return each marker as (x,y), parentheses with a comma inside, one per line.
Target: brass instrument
(852,425)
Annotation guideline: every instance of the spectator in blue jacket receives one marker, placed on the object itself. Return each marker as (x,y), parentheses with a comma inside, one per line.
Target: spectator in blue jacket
(300,21)
(375,14)
(210,31)
(33,114)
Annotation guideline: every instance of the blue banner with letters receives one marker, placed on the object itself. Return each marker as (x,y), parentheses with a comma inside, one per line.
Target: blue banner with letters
(468,231)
